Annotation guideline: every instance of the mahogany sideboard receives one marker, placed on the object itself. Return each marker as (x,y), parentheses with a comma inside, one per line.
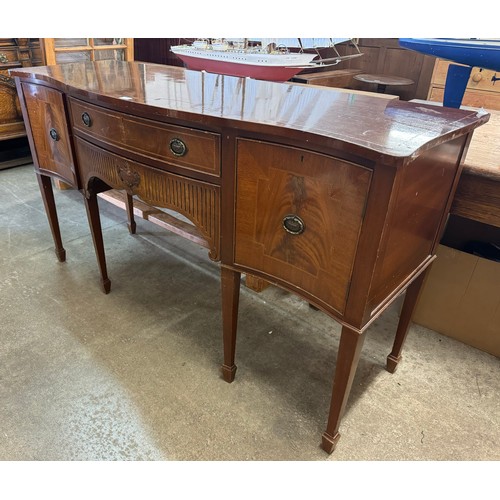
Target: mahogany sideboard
(337,197)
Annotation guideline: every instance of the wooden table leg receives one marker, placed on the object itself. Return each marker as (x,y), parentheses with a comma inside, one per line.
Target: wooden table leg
(96,230)
(350,346)
(230,282)
(45,184)
(412,293)
(129,206)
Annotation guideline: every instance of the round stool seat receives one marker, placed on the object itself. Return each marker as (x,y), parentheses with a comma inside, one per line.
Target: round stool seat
(382,81)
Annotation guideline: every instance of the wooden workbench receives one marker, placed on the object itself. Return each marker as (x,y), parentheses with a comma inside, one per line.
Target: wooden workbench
(478,192)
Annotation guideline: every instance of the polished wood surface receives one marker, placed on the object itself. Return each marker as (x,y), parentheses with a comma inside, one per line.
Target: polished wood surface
(329,197)
(196,200)
(338,197)
(383,81)
(378,129)
(50,136)
(335,78)
(147,138)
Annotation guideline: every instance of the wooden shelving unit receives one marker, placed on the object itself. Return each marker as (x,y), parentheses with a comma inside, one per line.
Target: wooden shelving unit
(62,50)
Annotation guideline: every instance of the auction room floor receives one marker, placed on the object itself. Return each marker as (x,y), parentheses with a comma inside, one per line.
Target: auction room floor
(134,375)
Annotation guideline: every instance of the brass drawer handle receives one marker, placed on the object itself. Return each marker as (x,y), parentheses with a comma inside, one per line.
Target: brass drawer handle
(178,147)
(53,134)
(293,224)
(87,121)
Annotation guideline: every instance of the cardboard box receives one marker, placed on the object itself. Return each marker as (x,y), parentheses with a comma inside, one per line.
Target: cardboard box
(461,299)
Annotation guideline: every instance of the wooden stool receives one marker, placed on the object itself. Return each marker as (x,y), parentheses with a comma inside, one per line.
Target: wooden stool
(383,81)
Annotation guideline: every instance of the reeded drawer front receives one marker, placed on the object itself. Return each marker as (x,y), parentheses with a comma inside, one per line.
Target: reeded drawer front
(198,201)
(186,147)
(49,129)
(298,217)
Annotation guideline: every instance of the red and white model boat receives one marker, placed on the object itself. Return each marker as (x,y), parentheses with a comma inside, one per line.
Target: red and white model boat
(262,59)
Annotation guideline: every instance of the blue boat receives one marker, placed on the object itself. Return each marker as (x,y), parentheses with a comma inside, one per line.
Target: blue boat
(471,52)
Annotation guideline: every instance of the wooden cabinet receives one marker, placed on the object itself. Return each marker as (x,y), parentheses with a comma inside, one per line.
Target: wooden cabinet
(14,53)
(336,198)
(63,50)
(483,88)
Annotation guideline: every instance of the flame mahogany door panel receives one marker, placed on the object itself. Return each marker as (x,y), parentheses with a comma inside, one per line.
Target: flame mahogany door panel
(298,217)
(47,119)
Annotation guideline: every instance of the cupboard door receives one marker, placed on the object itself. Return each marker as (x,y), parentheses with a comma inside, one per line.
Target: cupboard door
(298,217)
(48,124)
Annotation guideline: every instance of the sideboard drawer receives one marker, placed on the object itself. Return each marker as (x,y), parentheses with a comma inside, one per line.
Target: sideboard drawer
(168,144)
(298,217)
(197,200)
(48,125)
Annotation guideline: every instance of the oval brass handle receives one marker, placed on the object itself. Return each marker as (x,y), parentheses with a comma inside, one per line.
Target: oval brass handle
(87,121)
(53,134)
(293,224)
(178,147)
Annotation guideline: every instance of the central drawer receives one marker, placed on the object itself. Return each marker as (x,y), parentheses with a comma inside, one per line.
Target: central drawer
(298,218)
(197,200)
(163,143)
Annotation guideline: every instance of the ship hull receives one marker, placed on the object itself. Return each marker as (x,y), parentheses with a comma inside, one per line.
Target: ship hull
(275,73)
(476,52)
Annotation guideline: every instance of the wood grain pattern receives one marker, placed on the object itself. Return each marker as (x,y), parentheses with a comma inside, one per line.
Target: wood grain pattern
(327,193)
(367,183)
(375,129)
(196,200)
(14,53)
(148,138)
(413,220)
(46,112)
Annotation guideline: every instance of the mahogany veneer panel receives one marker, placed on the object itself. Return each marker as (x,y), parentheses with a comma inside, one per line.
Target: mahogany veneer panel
(48,126)
(148,138)
(327,193)
(196,200)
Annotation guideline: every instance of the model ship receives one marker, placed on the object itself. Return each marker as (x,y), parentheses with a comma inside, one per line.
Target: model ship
(273,59)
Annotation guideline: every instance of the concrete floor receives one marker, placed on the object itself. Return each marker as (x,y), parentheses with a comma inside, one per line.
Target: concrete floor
(134,375)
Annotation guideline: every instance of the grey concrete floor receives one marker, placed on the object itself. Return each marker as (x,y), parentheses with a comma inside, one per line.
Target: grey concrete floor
(134,375)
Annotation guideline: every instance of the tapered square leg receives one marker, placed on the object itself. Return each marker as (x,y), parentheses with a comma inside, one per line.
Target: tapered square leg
(230,283)
(351,343)
(129,205)
(409,303)
(96,230)
(47,192)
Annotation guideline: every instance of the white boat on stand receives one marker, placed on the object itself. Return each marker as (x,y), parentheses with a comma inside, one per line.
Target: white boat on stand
(274,59)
